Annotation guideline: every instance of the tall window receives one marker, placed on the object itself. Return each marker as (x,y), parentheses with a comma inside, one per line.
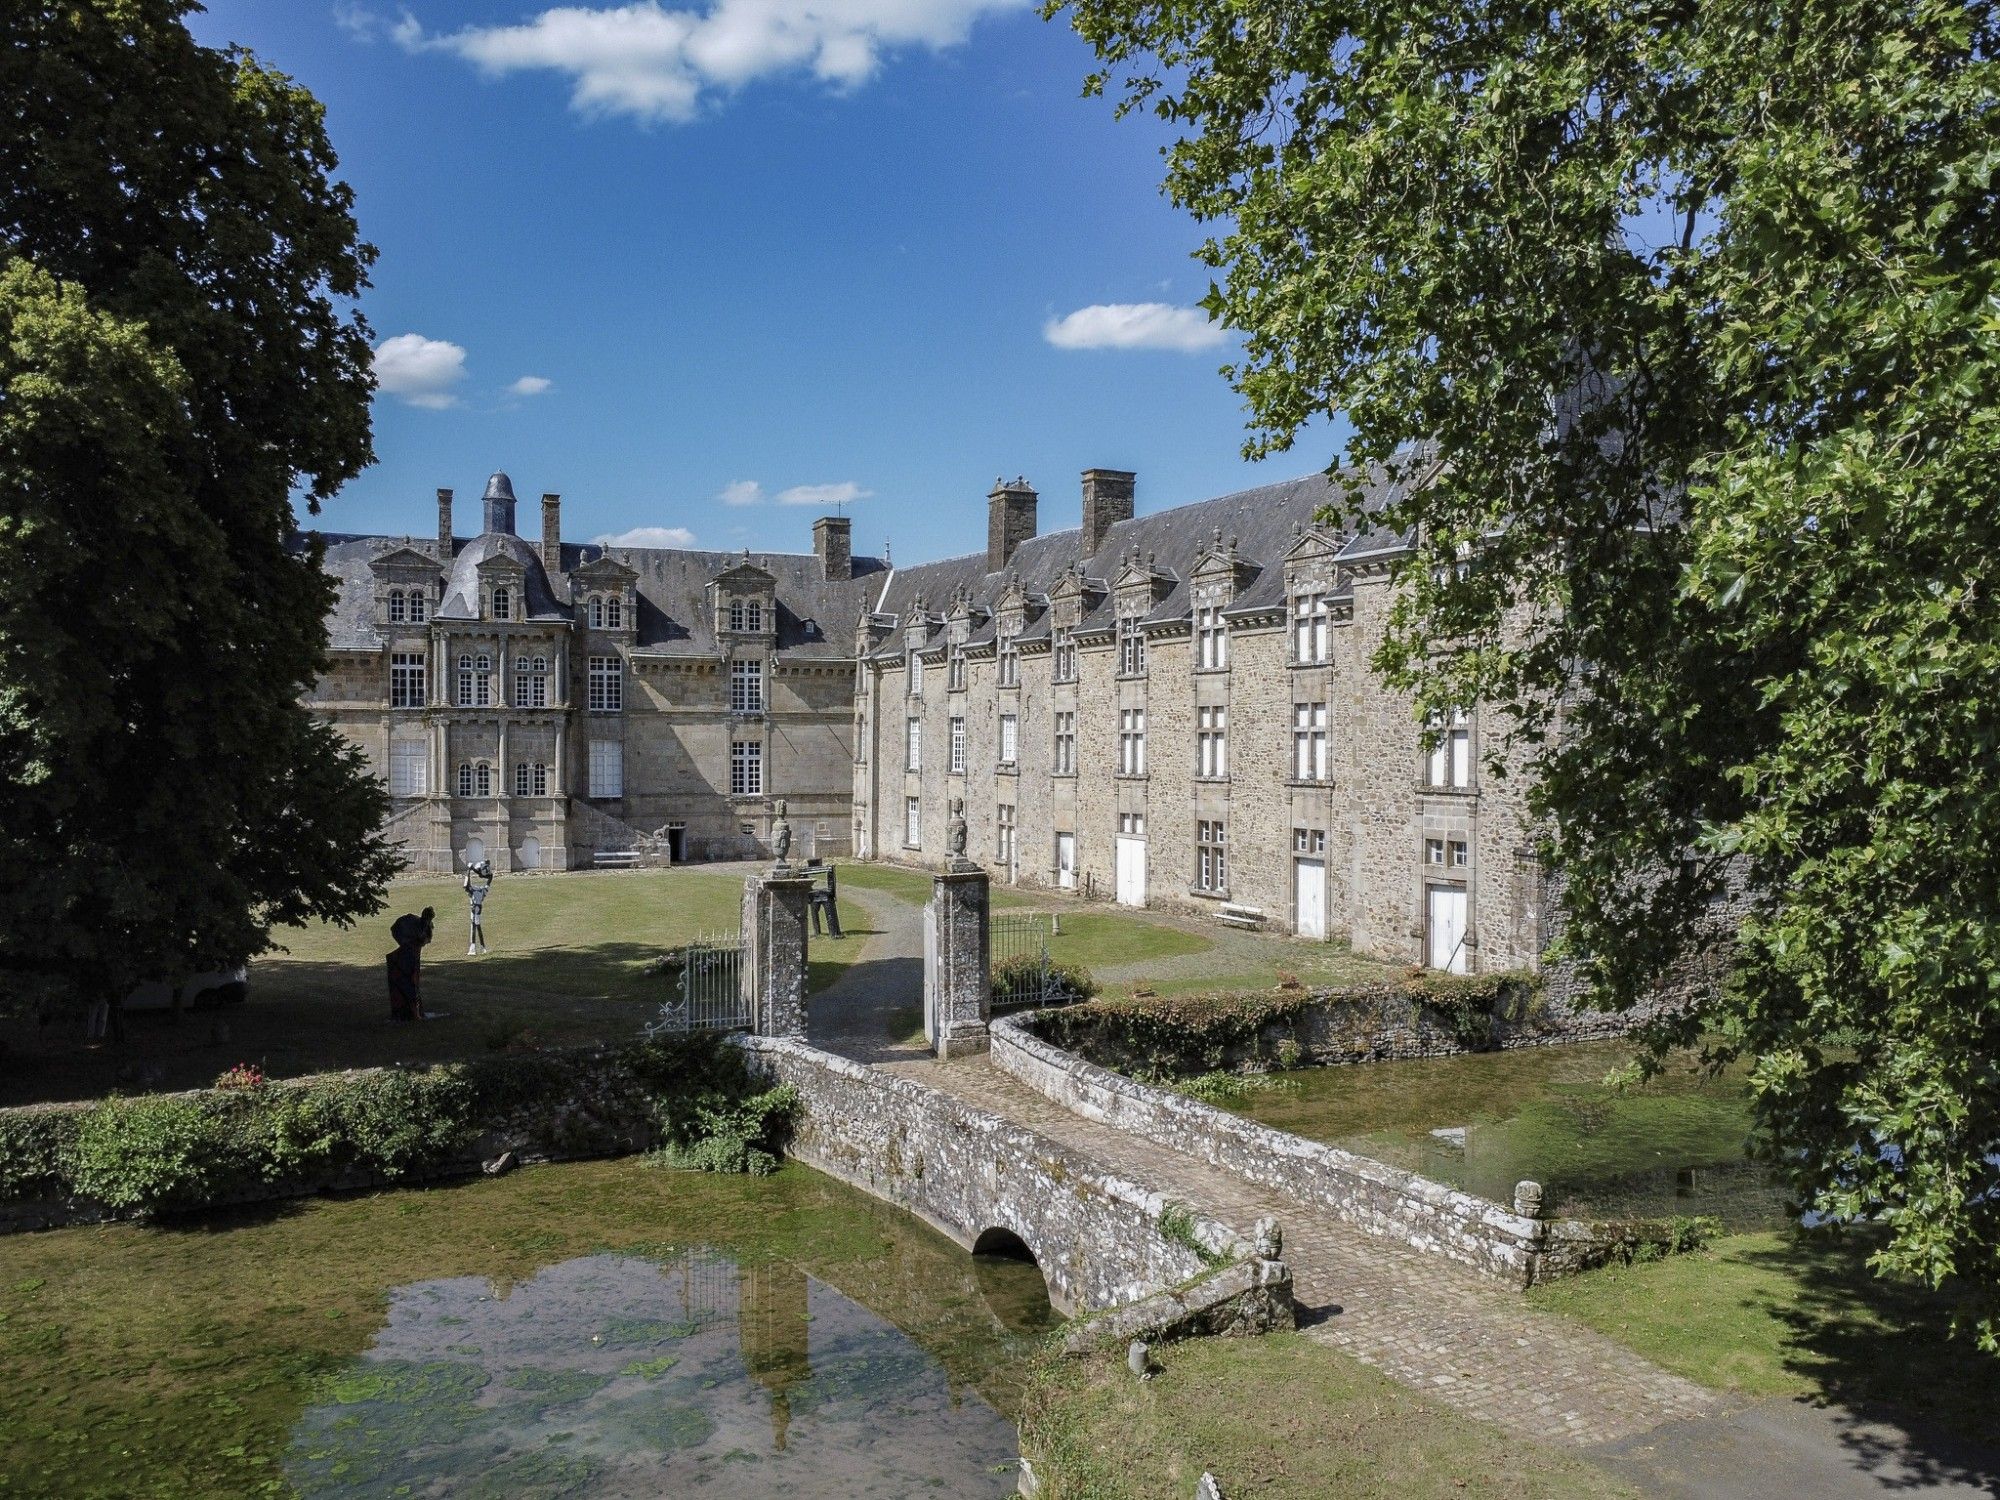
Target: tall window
(954,679)
(736,614)
(464,697)
(958,747)
(406,679)
(1064,654)
(1132,742)
(607,768)
(524,779)
(409,768)
(913,822)
(1309,741)
(914,673)
(503,604)
(1309,629)
(1450,761)
(465,778)
(746,687)
(1010,662)
(482,779)
(596,611)
(1065,758)
(1010,739)
(614,612)
(913,744)
(746,768)
(1211,638)
(419,606)
(1211,867)
(1003,835)
(607,685)
(395,606)
(1131,648)
(754,615)
(1212,742)
(531,682)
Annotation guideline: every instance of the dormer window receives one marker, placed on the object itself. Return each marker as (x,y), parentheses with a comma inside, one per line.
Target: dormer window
(596,612)
(1309,629)
(395,606)
(503,603)
(419,604)
(1211,639)
(914,673)
(1010,662)
(1131,647)
(614,613)
(755,612)
(955,669)
(1064,656)
(736,614)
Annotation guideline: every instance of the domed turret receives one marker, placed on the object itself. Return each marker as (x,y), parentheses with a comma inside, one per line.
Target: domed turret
(499,501)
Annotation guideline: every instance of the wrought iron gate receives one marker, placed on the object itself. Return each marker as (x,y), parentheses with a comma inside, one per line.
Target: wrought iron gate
(710,992)
(1023,974)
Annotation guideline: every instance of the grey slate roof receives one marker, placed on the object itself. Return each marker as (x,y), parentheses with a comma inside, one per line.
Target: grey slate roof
(1263,521)
(815,617)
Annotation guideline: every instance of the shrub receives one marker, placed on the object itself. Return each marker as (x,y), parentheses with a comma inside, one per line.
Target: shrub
(1068,984)
(34,1144)
(157,1154)
(742,1137)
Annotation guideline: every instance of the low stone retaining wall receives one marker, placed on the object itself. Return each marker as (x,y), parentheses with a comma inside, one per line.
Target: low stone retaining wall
(1374,1197)
(1101,1242)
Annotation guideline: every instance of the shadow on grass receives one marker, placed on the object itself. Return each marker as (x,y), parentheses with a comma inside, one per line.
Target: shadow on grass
(1883,1351)
(309,1016)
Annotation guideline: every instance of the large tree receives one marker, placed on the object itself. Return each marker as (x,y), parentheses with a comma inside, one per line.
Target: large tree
(1696,299)
(178,355)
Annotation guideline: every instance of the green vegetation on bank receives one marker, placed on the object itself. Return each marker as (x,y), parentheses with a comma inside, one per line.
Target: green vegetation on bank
(1796,1314)
(173,1153)
(1277,1416)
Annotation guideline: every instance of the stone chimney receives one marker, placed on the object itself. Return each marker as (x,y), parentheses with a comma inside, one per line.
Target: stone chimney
(444,527)
(552,534)
(1107,500)
(1010,521)
(833,544)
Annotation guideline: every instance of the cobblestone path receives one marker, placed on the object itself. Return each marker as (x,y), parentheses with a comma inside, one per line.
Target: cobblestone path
(1470,1343)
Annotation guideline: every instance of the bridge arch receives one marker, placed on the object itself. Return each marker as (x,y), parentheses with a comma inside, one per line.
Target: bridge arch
(1003,1244)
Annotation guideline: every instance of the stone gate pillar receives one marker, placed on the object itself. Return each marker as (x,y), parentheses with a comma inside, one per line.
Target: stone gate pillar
(958,998)
(774,950)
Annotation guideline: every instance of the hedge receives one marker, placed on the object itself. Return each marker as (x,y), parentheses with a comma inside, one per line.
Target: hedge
(169,1153)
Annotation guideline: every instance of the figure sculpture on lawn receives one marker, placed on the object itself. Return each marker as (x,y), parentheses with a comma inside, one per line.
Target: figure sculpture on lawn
(411,932)
(476,896)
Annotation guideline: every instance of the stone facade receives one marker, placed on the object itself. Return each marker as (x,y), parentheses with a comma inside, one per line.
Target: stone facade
(547,707)
(1178,711)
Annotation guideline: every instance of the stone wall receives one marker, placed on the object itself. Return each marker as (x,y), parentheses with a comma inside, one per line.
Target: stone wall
(1099,1240)
(1376,1198)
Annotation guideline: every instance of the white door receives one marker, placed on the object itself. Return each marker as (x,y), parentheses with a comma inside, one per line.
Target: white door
(475,851)
(529,855)
(1446,920)
(1066,861)
(1131,871)
(1309,898)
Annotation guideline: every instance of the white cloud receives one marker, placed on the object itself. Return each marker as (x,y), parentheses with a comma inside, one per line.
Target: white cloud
(422,371)
(649,536)
(741,492)
(823,494)
(1134,325)
(645,60)
(531,385)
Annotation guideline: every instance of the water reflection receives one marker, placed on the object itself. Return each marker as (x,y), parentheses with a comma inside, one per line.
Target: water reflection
(618,1376)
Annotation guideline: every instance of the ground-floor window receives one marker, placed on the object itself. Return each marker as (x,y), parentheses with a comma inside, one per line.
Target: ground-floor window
(409,768)
(1211,869)
(607,768)
(1003,836)
(913,822)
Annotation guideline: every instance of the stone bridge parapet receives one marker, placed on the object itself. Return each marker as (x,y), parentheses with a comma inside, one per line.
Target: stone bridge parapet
(1101,1242)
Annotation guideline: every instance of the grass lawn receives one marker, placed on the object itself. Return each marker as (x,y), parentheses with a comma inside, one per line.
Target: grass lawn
(1100,939)
(563,966)
(1278,1417)
(1789,1314)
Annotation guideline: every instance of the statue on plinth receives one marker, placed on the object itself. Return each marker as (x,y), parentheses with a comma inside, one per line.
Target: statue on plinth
(954,835)
(781,837)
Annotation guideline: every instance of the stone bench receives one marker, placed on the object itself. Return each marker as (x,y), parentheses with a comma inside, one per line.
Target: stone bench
(616,859)
(1232,915)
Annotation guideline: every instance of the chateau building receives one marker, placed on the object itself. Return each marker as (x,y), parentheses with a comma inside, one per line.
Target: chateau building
(545,706)
(1177,711)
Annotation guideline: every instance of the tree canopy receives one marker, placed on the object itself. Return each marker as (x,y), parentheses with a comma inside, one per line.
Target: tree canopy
(1696,301)
(178,354)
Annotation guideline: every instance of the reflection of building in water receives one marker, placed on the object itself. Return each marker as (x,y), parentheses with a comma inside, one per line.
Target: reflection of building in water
(774,1322)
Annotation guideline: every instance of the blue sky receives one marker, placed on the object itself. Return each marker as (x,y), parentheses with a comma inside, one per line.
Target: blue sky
(741,248)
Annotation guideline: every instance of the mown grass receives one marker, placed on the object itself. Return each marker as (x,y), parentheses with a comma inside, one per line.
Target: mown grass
(177,1360)
(1278,1417)
(1794,1314)
(565,966)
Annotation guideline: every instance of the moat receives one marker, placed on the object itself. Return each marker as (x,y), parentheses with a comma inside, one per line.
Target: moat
(1485,1121)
